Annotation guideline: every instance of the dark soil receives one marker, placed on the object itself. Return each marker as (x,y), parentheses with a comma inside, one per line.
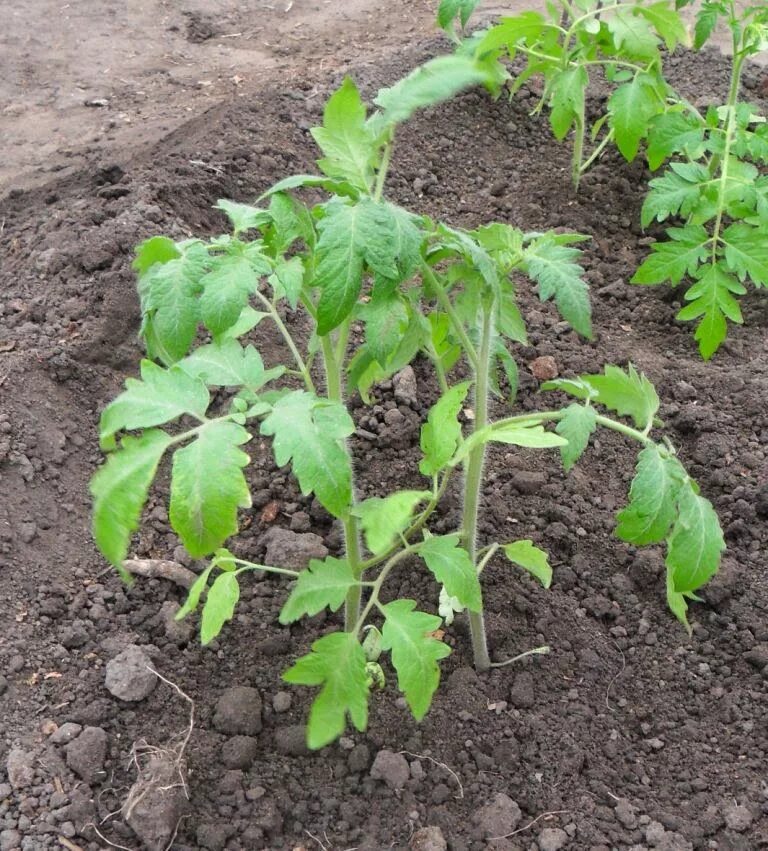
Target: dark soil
(629,735)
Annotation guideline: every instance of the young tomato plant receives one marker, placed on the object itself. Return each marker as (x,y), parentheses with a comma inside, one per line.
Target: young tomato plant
(567,46)
(415,287)
(717,188)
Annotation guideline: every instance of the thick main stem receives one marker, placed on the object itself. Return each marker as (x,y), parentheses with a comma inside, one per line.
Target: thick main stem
(473,480)
(334,377)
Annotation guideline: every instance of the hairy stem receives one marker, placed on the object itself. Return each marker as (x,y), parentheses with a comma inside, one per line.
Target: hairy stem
(578,152)
(445,302)
(473,479)
(303,369)
(382,174)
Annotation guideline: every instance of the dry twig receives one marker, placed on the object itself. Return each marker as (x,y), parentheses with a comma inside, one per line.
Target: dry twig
(155,568)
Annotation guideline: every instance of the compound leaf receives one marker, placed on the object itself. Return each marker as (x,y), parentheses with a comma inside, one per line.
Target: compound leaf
(441,433)
(746,252)
(530,558)
(632,36)
(415,652)
(226,363)
(652,498)
(324,584)
(219,606)
(383,520)
(667,23)
(628,393)
(337,663)
(576,426)
(631,107)
(226,289)
(119,489)
(243,216)
(696,542)
(671,261)
(208,486)
(677,192)
(452,567)
(672,133)
(309,433)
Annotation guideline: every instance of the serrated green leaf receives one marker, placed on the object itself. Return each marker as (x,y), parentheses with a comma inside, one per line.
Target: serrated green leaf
(672,261)
(628,393)
(441,433)
(652,506)
(527,27)
(711,299)
(530,558)
(324,584)
(452,567)
(415,653)
(572,386)
(448,10)
(554,269)
(632,36)
(194,594)
(156,249)
(119,489)
(746,252)
(383,520)
(631,107)
(385,318)
(436,80)
(677,603)
(696,542)
(226,289)
(706,21)
(208,487)
(527,434)
(227,364)
(337,663)
(243,216)
(677,192)
(288,280)
(576,427)
(247,321)
(309,433)
(667,22)
(160,396)
(567,99)
(219,606)
(298,181)
(673,133)
(351,149)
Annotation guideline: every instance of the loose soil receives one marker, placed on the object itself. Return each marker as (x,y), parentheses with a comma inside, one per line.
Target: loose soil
(628,735)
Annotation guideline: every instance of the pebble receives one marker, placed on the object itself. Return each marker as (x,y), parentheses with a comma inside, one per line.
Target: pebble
(86,753)
(239,752)
(392,768)
(737,817)
(9,840)
(281,702)
(20,767)
(552,839)
(544,368)
(238,712)
(292,740)
(428,839)
(64,734)
(498,817)
(292,549)
(128,676)
(156,808)
(405,386)
(522,693)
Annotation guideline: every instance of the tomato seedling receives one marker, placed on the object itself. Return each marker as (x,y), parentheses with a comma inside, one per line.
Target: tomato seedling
(416,287)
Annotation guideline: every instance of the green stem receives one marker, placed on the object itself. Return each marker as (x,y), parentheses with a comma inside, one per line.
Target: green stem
(335,389)
(556,416)
(383,169)
(607,139)
(249,565)
(473,479)
(308,383)
(578,151)
(373,599)
(445,302)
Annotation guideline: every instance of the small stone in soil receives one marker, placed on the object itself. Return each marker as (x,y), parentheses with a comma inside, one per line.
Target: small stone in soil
(64,734)
(292,740)
(392,768)
(405,386)
(737,817)
(239,752)
(552,839)
(20,767)
(238,712)
(128,676)
(292,549)
(522,694)
(281,702)
(544,368)
(359,758)
(156,803)
(428,839)
(86,753)
(498,817)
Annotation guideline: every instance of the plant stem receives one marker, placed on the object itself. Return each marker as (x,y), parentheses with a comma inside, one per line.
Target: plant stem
(308,383)
(445,302)
(335,389)
(578,152)
(473,479)
(383,169)
(607,139)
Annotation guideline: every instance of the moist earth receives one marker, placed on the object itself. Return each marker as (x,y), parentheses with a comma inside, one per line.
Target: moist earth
(629,734)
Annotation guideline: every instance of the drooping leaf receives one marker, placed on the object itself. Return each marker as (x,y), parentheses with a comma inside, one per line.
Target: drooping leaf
(441,433)
(628,393)
(706,21)
(652,506)
(677,602)
(247,321)
(309,433)
(194,594)
(576,426)
(696,542)
(528,556)
(288,280)
(452,567)
(161,395)
(208,487)
(526,27)
(297,181)
(666,20)
(630,107)
(219,606)
(449,10)
(385,318)
(324,584)
(228,364)
(383,520)
(554,269)
(351,149)
(337,663)
(567,99)
(415,652)
(119,489)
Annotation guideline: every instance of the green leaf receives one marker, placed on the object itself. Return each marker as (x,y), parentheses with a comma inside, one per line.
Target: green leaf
(243,216)
(746,252)
(630,108)
(219,606)
(441,433)
(673,133)
(554,269)
(628,393)
(383,520)
(351,149)
(576,427)
(337,663)
(677,192)
(119,489)
(436,80)
(667,23)
(227,364)
(385,318)
(226,290)
(297,181)
(672,261)
(527,434)
(310,432)
(247,321)
(208,486)
(711,298)
(324,584)
(677,603)
(706,21)
(567,100)
(632,36)
(696,542)
(160,396)
(415,653)
(452,567)
(527,27)
(448,10)
(530,558)
(157,249)
(288,280)
(652,498)
(194,595)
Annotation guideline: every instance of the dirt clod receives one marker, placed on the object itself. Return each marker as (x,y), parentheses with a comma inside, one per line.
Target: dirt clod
(238,712)
(428,839)
(128,676)
(392,768)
